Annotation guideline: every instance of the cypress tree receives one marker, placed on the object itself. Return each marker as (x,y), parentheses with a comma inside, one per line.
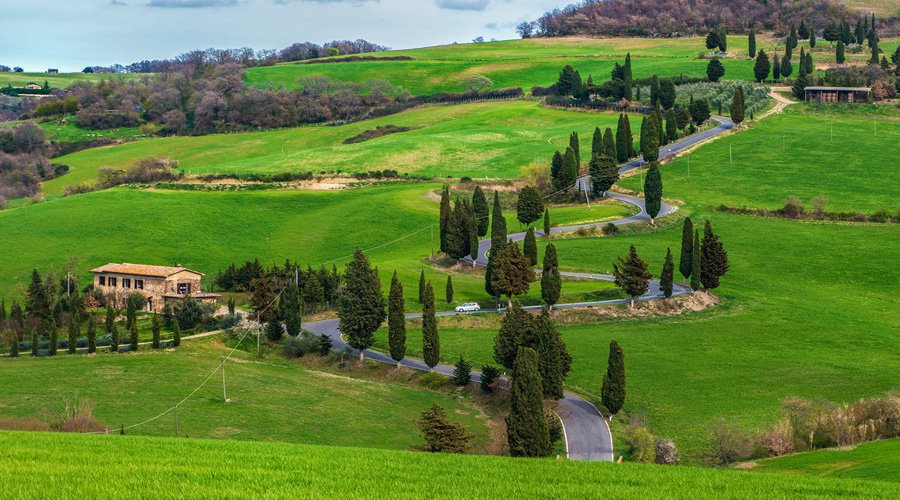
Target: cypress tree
(696,263)
(473,242)
(512,272)
(155,327)
(445,215)
(723,40)
(231,305)
(650,139)
(609,143)
(422,287)
(35,342)
(803,31)
(597,142)
(629,77)
(776,69)
(110,319)
(786,67)
(666,93)
(632,275)
(517,328)
(629,138)
(604,173)
(37,302)
(547,222)
(622,151)
(714,70)
(554,360)
(480,209)
(134,337)
(687,244)
(751,44)
(660,128)
(575,144)
(839,53)
(130,313)
(714,261)
(792,38)
(176,333)
(526,428)
(737,105)
(666,278)
(397,321)
(114,338)
(529,247)
(654,90)
(812,40)
(551,281)
(799,86)
(92,334)
(529,206)
(612,394)
(449,289)
(570,169)
(74,332)
(291,308)
(762,67)
(875,51)
(13,343)
(653,191)
(274,329)
(556,167)
(458,232)
(361,309)
(431,343)
(498,225)
(671,125)
(54,338)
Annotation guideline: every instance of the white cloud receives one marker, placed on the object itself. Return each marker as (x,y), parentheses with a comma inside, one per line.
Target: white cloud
(463,4)
(192,4)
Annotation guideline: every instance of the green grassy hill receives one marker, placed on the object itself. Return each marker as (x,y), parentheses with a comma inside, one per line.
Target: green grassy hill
(877,461)
(56,80)
(271,399)
(75,465)
(493,139)
(883,8)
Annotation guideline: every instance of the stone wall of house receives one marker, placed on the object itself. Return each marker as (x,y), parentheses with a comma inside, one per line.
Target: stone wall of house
(154,289)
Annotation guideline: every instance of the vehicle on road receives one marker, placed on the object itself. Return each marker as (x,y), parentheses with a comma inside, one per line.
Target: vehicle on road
(468,307)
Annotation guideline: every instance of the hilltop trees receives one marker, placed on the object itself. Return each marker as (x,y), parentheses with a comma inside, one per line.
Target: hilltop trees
(361,309)
(431,343)
(632,275)
(530,205)
(551,281)
(612,394)
(687,244)
(715,70)
(762,67)
(653,191)
(526,428)
(604,173)
(714,259)
(396,321)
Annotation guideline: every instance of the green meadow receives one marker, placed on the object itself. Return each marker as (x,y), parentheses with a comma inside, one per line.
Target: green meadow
(57,80)
(271,399)
(199,468)
(876,461)
(493,139)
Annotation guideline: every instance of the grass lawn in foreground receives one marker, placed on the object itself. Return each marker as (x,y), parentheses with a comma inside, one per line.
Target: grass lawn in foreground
(489,139)
(877,461)
(207,468)
(271,399)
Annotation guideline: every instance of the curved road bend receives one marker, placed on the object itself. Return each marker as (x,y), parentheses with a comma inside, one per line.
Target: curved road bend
(587,432)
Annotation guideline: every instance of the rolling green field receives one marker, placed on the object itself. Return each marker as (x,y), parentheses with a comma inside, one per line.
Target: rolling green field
(877,461)
(203,468)
(220,228)
(852,170)
(493,139)
(270,399)
(57,80)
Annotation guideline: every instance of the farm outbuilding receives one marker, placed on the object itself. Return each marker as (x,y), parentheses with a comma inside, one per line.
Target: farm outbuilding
(837,94)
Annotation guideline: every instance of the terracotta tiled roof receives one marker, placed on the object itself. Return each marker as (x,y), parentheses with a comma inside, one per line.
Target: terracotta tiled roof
(142,270)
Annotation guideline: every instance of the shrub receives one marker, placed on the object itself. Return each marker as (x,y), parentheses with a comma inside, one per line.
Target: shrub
(433,380)
(666,452)
(881,215)
(820,205)
(780,439)
(461,374)
(554,426)
(610,229)
(489,375)
(301,345)
(642,444)
(324,345)
(442,435)
(729,444)
(465,180)
(793,208)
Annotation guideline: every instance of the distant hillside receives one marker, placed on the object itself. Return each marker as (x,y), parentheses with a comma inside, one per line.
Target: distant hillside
(678,17)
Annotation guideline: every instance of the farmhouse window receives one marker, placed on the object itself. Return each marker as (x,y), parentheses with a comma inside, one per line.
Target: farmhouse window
(102,280)
(184,288)
(139,284)
(112,281)
(126,282)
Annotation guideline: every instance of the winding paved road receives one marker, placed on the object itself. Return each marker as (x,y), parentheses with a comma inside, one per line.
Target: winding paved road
(586,431)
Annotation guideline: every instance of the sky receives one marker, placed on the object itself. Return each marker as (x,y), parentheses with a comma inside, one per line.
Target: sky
(72,34)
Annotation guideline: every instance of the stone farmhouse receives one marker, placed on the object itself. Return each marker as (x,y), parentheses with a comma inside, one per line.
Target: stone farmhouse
(160,285)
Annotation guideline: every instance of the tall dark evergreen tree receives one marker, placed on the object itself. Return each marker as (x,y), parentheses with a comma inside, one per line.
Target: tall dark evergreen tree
(114,338)
(609,143)
(480,209)
(654,90)
(629,78)
(155,327)
(554,360)
(723,40)
(612,394)
(498,225)
(526,428)
(714,70)
(622,149)
(92,334)
(666,93)
(529,247)
(361,309)
(35,340)
(396,321)
(839,53)
(714,261)
(671,125)
(517,328)
(737,105)
(176,333)
(290,308)
(712,40)
(37,302)
(529,206)
(53,332)
(74,331)
(556,167)
(512,272)
(632,275)
(751,44)
(653,189)
(667,277)
(597,142)
(685,263)
(547,222)
(551,281)
(799,86)
(762,67)
(458,231)
(133,340)
(445,215)
(575,144)
(696,263)
(650,139)
(803,31)
(422,287)
(274,329)
(812,40)
(786,67)
(792,38)
(431,343)
(448,289)
(569,171)
(130,313)
(604,173)
(629,138)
